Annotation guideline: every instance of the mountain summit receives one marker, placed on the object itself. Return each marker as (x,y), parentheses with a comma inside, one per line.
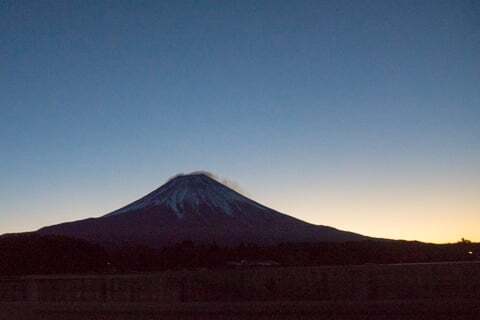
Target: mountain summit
(191,196)
(196,207)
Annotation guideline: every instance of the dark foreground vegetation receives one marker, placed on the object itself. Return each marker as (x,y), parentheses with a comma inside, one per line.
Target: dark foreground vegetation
(25,254)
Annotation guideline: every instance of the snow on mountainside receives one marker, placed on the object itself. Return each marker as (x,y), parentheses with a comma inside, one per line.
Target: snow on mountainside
(196,207)
(189,191)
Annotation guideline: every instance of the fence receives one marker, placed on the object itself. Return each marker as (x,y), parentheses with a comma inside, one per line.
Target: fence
(355,283)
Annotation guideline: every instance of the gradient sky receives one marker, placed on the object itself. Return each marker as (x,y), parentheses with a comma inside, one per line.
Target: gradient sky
(362,115)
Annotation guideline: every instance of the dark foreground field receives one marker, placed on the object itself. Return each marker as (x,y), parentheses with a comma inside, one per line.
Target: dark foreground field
(401,291)
(343,310)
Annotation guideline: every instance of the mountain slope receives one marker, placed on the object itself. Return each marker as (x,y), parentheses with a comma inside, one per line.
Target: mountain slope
(196,207)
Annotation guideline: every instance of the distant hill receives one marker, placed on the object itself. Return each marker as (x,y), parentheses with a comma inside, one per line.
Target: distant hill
(30,253)
(197,208)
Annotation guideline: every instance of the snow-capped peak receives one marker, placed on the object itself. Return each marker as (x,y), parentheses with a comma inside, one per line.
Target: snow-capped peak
(188,192)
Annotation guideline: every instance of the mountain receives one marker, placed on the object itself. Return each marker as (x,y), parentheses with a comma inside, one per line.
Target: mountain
(197,208)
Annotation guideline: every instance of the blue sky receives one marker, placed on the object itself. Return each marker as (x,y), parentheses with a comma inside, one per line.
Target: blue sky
(364,115)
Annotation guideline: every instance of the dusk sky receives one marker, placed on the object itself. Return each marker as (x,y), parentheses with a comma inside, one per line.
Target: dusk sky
(361,115)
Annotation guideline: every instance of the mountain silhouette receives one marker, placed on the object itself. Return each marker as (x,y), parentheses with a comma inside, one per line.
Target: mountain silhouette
(196,207)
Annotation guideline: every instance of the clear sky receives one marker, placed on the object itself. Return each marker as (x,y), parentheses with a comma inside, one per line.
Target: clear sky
(362,115)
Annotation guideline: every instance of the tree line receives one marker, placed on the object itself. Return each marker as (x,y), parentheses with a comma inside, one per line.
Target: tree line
(31,253)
